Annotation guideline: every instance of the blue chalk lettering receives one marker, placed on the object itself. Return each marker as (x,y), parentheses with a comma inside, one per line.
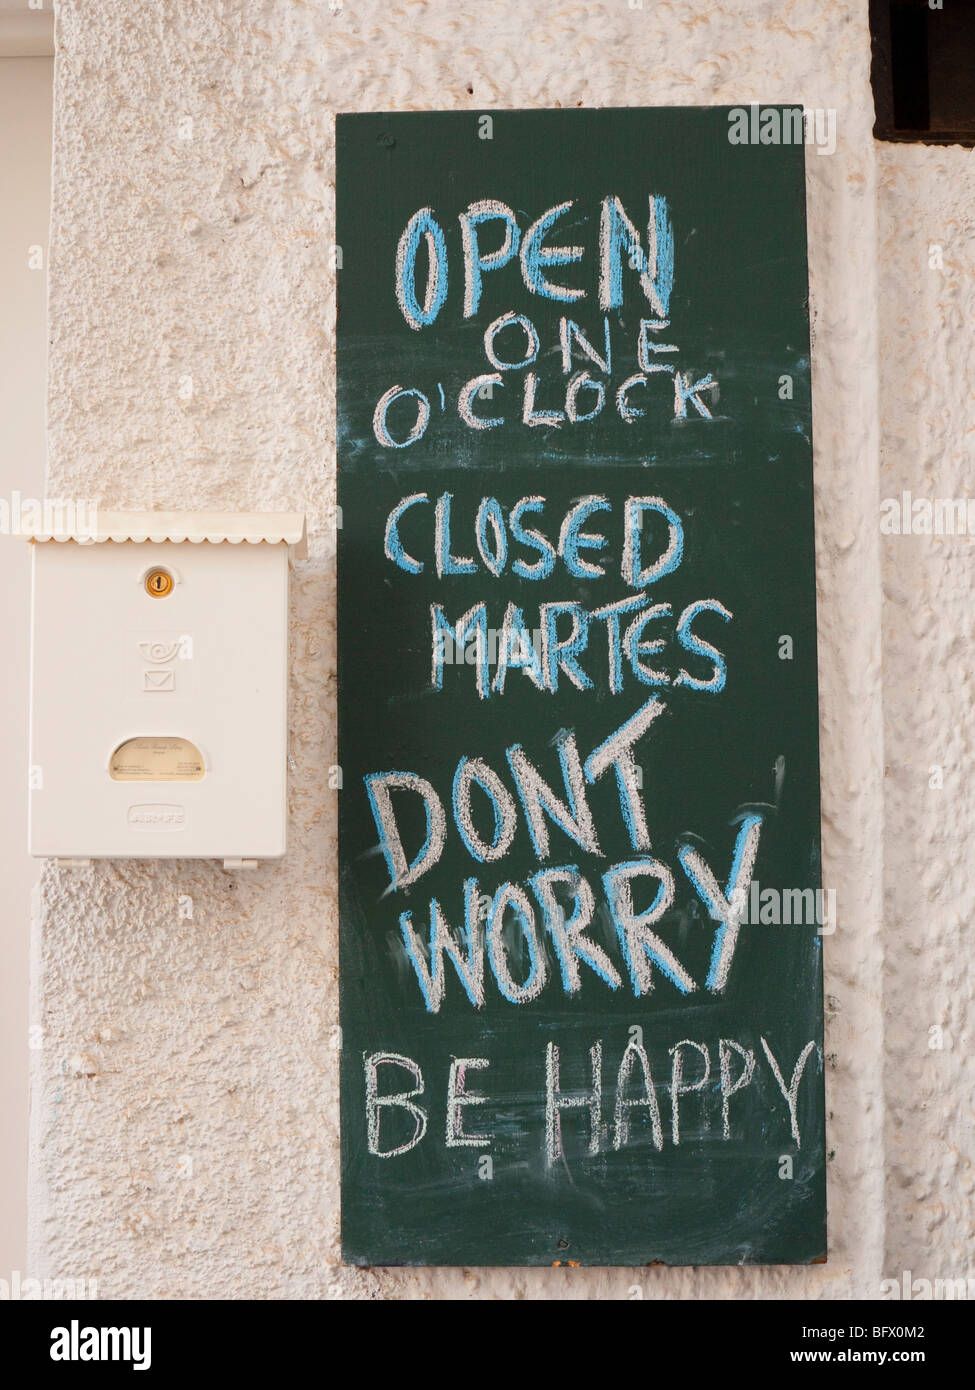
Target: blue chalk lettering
(421,224)
(438,948)
(393,544)
(490,511)
(369,779)
(579,942)
(459,820)
(447,563)
(473,625)
(670,560)
(620,238)
(610,886)
(698,647)
(495,925)
(534,256)
(571,541)
(547,798)
(543,567)
(518,651)
(476,263)
(563,654)
(612,614)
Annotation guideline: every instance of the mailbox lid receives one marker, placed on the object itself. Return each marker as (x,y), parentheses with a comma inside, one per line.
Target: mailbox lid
(91,525)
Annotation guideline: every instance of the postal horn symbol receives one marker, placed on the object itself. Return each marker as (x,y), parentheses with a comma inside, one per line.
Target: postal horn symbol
(159,652)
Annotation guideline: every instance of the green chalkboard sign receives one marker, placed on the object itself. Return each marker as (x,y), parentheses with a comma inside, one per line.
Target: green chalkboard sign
(581,909)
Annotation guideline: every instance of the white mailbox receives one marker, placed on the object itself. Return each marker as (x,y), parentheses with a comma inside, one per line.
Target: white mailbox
(159,686)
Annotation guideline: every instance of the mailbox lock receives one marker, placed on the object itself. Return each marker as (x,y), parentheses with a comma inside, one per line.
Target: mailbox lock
(159,583)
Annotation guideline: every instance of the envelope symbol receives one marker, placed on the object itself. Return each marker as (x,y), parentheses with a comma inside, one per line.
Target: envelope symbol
(159,680)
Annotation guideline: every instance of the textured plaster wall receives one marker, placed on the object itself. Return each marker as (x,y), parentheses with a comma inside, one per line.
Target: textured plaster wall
(184,1107)
(927,298)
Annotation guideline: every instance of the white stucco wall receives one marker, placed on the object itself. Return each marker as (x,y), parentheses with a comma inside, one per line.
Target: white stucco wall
(185,1115)
(926,203)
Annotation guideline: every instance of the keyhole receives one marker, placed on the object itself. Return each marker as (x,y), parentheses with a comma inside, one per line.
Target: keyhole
(159,583)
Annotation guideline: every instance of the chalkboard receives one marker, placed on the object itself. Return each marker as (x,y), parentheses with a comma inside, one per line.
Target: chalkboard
(581,913)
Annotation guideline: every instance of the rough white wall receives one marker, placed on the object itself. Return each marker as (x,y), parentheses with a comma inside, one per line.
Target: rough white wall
(185,1106)
(927,298)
